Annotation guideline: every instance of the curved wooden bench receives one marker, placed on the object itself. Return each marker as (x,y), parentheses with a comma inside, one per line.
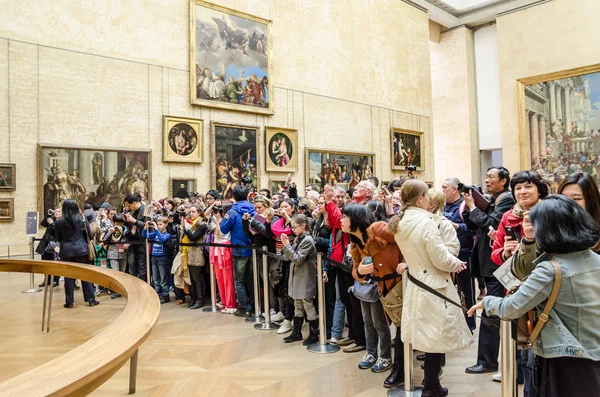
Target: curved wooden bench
(85,368)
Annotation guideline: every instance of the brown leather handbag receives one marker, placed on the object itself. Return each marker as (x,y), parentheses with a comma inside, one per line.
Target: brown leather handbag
(527,328)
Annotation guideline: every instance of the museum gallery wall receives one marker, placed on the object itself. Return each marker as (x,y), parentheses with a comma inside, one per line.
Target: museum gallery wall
(107,89)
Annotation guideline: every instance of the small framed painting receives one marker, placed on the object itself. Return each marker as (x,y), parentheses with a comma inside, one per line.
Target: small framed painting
(8,177)
(183,140)
(7,210)
(282,149)
(277,185)
(182,188)
(407,149)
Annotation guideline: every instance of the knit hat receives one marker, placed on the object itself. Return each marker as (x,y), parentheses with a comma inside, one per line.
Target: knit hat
(105,205)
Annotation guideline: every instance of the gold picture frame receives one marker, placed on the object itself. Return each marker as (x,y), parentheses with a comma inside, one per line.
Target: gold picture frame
(407,149)
(8,177)
(190,188)
(525,156)
(274,183)
(233,147)
(7,209)
(119,166)
(315,158)
(253,43)
(183,140)
(289,138)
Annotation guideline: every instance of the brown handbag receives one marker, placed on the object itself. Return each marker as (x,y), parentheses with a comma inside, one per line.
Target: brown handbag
(392,304)
(90,244)
(527,328)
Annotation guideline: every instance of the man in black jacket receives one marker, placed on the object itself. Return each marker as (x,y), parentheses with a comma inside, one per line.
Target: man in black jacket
(136,222)
(497,181)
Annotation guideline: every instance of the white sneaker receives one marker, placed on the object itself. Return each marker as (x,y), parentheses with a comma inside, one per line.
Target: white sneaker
(497,377)
(286,326)
(334,341)
(277,317)
(271,312)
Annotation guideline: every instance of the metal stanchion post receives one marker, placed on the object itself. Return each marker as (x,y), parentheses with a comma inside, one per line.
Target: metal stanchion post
(32,287)
(148,248)
(508,352)
(213,291)
(409,389)
(257,318)
(322,347)
(267,325)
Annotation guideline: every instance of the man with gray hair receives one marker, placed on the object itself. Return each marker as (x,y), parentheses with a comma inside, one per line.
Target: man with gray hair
(364,192)
(453,211)
(339,196)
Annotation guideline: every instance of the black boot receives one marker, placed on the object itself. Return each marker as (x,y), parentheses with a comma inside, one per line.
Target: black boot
(296,334)
(197,305)
(439,392)
(313,336)
(396,377)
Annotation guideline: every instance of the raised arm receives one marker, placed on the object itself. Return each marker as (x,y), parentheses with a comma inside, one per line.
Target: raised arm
(298,256)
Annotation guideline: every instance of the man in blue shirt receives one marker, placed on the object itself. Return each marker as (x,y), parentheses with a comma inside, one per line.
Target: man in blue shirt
(232,223)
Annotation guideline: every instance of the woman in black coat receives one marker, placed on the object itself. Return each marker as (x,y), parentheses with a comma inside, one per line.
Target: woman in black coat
(72,236)
(48,243)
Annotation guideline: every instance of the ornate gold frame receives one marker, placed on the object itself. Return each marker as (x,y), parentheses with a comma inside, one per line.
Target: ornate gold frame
(421,136)
(11,207)
(524,149)
(276,179)
(213,154)
(174,158)
(181,179)
(293,135)
(225,105)
(40,171)
(307,159)
(13,178)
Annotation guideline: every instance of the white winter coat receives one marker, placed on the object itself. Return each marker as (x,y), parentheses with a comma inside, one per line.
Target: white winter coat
(431,324)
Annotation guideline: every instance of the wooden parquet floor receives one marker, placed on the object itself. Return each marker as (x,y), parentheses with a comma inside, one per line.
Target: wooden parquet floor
(191,353)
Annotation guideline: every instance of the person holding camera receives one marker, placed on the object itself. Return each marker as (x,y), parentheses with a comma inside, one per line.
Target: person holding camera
(192,232)
(48,246)
(161,267)
(133,214)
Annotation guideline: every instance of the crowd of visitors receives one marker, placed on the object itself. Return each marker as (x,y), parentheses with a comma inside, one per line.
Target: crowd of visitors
(372,237)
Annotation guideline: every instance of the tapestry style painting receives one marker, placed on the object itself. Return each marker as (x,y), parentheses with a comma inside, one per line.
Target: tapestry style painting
(344,169)
(230,59)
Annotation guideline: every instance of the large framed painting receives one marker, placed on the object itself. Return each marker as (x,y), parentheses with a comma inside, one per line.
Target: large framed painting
(91,175)
(234,157)
(337,168)
(407,149)
(559,123)
(8,177)
(282,149)
(183,140)
(230,59)
(182,188)
(7,209)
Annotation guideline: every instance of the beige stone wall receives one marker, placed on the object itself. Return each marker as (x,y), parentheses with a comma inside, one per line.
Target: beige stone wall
(103,74)
(454,107)
(550,37)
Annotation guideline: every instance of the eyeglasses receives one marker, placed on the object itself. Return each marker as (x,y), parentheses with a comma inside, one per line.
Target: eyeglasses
(295,227)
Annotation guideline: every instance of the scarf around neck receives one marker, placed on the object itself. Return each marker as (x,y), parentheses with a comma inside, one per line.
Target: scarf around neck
(518,211)
(185,238)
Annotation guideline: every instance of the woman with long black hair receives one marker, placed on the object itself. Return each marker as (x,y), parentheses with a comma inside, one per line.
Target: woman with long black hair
(72,233)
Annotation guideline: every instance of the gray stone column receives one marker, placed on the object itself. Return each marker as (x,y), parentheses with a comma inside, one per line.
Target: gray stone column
(552,103)
(568,110)
(534,133)
(559,103)
(85,167)
(542,130)
(110,164)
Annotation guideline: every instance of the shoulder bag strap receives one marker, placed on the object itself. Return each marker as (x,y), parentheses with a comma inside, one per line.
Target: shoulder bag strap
(86,231)
(543,318)
(434,292)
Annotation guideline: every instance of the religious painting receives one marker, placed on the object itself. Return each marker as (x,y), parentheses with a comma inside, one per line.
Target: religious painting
(337,168)
(182,188)
(91,175)
(234,158)
(277,185)
(230,59)
(407,149)
(560,123)
(282,149)
(7,209)
(183,140)
(8,177)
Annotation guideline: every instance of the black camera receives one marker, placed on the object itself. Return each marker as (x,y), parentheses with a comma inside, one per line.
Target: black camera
(411,168)
(217,209)
(246,180)
(303,206)
(467,188)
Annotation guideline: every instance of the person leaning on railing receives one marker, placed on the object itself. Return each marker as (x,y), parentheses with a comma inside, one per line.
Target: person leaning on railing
(568,357)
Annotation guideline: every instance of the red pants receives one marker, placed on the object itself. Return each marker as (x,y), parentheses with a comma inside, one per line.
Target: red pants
(223,264)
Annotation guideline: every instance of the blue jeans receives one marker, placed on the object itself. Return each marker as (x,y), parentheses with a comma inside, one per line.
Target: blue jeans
(377,331)
(244,283)
(527,363)
(161,268)
(339,314)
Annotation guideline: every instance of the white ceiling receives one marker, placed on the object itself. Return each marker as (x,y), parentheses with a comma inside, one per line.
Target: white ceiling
(462,5)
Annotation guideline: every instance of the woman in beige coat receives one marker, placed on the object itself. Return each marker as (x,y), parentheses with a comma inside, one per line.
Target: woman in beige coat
(431,324)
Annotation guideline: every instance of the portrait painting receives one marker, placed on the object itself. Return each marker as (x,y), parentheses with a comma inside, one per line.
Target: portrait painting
(345,169)
(8,177)
(230,59)
(407,147)
(91,175)
(560,124)
(277,185)
(282,149)
(182,188)
(234,158)
(7,209)
(183,140)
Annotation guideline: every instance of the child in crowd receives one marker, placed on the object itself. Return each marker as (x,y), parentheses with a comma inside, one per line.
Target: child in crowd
(161,267)
(115,239)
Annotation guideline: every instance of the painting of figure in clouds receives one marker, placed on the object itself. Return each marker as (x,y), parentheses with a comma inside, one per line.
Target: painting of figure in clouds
(230,59)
